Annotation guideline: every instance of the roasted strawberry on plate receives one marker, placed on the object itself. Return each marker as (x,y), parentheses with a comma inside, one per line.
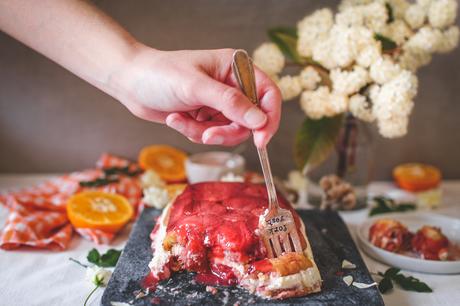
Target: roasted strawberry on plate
(212,229)
(417,241)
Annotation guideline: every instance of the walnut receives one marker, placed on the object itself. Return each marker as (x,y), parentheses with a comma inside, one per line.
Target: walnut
(337,194)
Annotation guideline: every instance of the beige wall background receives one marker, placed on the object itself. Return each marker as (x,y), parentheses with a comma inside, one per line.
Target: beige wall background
(51,121)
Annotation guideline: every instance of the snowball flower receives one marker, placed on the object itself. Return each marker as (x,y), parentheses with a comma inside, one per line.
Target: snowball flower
(384,70)
(375,16)
(369,54)
(312,29)
(342,46)
(269,58)
(449,40)
(392,104)
(442,13)
(398,31)
(351,16)
(361,108)
(309,78)
(289,86)
(394,127)
(413,58)
(426,39)
(345,4)
(98,276)
(399,7)
(348,82)
(415,16)
(151,179)
(156,197)
(322,103)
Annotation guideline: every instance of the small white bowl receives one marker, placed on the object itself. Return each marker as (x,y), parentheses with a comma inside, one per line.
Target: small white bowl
(211,166)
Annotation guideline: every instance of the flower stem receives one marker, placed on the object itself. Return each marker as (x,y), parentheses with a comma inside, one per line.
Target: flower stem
(347,146)
(90,294)
(77,262)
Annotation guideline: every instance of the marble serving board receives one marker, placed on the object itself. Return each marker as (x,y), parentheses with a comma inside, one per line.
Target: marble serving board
(331,243)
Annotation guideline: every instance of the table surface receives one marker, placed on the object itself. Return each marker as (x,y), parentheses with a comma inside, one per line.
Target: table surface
(36,277)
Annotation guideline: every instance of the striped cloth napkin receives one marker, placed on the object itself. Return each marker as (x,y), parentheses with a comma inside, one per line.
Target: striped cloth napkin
(38,216)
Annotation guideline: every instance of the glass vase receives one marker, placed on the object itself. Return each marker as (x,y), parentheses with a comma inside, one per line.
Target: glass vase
(352,161)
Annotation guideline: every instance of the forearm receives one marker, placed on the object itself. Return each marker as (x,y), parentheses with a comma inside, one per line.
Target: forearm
(73,33)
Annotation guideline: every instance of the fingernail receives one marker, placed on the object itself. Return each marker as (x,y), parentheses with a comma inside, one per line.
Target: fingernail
(216,140)
(255,118)
(175,124)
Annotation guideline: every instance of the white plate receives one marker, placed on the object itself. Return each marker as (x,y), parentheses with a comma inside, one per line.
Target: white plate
(449,226)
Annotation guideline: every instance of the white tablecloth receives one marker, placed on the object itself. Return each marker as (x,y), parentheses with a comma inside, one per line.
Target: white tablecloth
(33,277)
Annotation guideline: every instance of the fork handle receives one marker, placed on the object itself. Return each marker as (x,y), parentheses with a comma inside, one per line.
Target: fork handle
(244,73)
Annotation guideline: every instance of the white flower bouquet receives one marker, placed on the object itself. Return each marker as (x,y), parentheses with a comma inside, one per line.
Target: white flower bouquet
(360,61)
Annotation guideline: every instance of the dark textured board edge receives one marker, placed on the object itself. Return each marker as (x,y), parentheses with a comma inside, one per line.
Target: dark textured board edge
(331,243)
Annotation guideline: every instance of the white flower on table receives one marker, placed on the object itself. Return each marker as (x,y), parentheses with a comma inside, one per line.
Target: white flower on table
(98,276)
(156,197)
(232,177)
(151,179)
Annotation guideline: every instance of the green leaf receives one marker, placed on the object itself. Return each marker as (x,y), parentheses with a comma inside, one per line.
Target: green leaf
(387,43)
(408,283)
(391,16)
(386,205)
(286,39)
(99,182)
(110,258)
(315,140)
(385,285)
(391,272)
(411,283)
(121,170)
(93,256)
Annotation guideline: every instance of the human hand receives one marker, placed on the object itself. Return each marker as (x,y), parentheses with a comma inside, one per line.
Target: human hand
(195,93)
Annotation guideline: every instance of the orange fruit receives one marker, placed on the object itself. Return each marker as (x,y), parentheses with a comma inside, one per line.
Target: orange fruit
(417,177)
(99,210)
(175,189)
(166,161)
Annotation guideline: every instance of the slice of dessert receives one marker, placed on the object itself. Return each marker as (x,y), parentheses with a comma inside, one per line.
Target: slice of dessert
(212,229)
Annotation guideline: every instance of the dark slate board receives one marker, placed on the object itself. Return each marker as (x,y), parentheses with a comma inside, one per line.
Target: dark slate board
(331,243)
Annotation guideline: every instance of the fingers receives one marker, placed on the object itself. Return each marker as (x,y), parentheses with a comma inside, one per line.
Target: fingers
(270,103)
(208,132)
(229,100)
(227,135)
(187,126)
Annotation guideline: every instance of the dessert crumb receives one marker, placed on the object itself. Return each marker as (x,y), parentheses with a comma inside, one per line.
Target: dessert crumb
(211,289)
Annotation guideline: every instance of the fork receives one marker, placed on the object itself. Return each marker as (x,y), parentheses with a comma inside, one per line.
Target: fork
(277,228)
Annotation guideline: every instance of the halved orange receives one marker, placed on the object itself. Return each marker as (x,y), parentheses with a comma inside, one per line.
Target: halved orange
(417,177)
(99,210)
(167,161)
